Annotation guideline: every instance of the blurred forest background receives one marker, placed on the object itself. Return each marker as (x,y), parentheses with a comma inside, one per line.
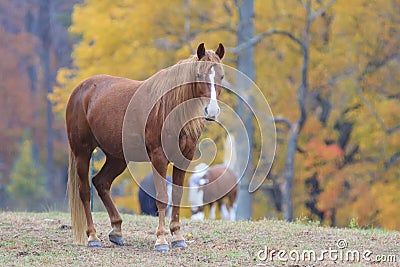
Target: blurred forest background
(329,69)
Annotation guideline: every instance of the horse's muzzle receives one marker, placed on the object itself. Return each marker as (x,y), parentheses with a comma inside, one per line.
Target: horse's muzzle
(211,111)
(210,118)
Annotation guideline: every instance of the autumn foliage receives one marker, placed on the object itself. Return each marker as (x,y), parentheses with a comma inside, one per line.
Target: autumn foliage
(348,150)
(349,146)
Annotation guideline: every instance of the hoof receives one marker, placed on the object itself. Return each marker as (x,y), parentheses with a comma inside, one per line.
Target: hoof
(94,244)
(179,244)
(117,240)
(161,248)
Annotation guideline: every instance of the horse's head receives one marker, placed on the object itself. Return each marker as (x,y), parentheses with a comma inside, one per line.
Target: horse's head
(209,75)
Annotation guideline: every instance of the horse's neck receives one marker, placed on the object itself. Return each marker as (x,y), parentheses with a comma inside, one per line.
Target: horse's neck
(184,111)
(173,95)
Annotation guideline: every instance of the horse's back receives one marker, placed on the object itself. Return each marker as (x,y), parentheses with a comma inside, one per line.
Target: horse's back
(102,86)
(96,110)
(222,173)
(221,181)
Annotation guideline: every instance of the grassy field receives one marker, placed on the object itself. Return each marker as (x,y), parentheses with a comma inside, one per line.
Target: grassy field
(45,239)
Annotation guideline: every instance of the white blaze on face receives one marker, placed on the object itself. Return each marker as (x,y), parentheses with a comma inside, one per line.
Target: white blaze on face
(212,108)
(212,77)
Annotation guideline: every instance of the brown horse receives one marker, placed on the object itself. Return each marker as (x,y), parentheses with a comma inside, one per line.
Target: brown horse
(211,188)
(95,118)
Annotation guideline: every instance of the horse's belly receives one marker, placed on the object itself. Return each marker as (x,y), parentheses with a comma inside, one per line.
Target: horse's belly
(134,148)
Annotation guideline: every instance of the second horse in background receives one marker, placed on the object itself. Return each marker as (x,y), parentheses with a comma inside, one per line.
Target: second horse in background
(211,186)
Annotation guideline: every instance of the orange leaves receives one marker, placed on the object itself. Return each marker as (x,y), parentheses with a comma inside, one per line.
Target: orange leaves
(320,153)
(330,197)
(353,44)
(15,96)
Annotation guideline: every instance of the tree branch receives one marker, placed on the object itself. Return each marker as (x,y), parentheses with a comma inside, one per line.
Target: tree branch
(374,112)
(258,38)
(316,14)
(335,79)
(303,88)
(392,160)
(375,64)
(220,28)
(283,120)
(372,66)
(369,105)
(393,129)
(301,3)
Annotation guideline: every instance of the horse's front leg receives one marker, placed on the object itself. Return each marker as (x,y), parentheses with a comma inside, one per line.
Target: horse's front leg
(160,163)
(187,147)
(178,240)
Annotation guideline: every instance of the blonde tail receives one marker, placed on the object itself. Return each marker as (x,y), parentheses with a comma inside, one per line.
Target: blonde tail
(78,217)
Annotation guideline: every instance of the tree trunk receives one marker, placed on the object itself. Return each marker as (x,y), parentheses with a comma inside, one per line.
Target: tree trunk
(245,64)
(30,23)
(44,34)
(288,173)
(295,128)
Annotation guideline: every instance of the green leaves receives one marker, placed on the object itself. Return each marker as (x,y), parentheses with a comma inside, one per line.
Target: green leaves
(27,189)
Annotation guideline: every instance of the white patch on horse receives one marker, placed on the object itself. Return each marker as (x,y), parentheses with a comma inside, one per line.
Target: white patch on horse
(213,92)
(196,196)
(199,216)
(212,212)
(213,108)
(195,193)
(224,212)
(203,181)
(232,212)
(168,212)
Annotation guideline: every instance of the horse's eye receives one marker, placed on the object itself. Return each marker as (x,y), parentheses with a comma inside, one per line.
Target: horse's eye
(222,77)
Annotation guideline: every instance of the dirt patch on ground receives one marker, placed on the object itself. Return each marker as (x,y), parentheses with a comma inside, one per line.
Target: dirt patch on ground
(45,239)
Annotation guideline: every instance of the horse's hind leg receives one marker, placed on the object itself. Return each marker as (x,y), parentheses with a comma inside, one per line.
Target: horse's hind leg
(82,168)
(223,210)
(102,181)
(178,240)
(232,204)
(212,211)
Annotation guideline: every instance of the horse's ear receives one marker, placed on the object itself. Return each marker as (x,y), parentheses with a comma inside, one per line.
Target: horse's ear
(220,51)
(201,51)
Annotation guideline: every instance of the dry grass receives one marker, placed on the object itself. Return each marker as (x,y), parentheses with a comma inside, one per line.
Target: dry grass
(45,239)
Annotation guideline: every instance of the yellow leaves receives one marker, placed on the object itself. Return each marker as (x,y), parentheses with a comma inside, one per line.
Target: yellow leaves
(60,96)
(130,200)
(135,39)
(387,200)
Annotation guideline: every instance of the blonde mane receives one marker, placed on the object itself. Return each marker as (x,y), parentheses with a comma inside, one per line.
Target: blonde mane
(174,85)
